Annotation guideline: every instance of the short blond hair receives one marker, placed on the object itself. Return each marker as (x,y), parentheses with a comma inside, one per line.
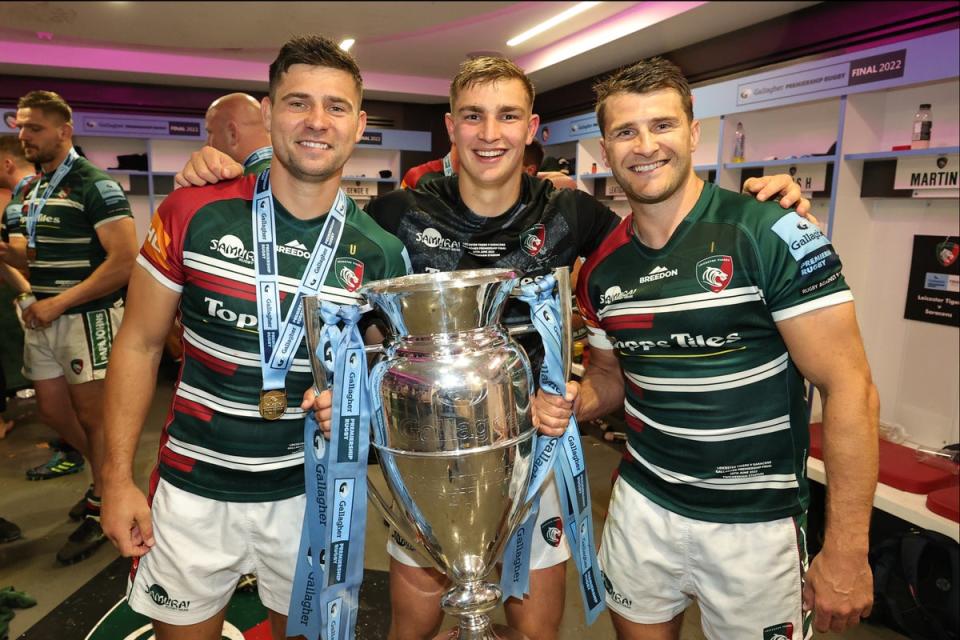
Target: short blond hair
(484,70)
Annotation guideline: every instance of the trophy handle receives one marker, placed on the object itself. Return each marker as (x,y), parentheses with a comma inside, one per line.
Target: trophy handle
(311,322)
(565,297)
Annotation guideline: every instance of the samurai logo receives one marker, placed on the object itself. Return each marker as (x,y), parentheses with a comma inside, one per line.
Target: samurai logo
(715,273)
(349,272)
(532,240)
(947,252)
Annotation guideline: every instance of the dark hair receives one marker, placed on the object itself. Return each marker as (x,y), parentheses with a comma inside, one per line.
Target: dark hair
(11,145)
(315,51)
(484,69)
(643,77)
(533,154)
(49,102)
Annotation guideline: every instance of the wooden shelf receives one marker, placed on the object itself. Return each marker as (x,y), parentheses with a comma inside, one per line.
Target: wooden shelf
(784,162)
(906,153)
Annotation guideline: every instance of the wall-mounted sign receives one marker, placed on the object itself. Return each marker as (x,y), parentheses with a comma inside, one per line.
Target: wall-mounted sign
(612,189)
(372,138)
(933,291)
(136,126)
(928,173)
(359,189)
(810,177)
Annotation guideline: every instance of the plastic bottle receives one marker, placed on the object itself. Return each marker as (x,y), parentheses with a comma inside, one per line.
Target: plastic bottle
(739,143)
(922,125)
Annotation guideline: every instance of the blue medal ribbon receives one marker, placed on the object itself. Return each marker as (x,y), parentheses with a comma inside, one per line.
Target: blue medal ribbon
(279,341)
(568,468)
(263,153)
(35,205)
(448,164)
(336,489)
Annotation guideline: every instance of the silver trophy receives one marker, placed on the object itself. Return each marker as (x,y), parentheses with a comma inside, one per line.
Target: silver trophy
(456,440)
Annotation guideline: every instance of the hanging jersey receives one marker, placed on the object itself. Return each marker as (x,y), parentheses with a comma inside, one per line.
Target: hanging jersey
(422,174)
(68,249)
(200,244)
(716,408)
(545,229)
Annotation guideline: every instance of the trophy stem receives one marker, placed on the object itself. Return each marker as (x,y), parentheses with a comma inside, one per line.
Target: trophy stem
(470,602)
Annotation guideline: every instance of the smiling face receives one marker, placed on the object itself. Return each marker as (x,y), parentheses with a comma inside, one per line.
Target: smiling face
(649,143)
(314,121)
(490,125)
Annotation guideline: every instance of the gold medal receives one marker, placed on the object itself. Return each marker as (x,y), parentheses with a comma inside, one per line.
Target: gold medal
(31,254)
(273,403)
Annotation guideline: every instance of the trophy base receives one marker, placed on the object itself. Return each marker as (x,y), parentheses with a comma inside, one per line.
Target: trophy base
(493,632)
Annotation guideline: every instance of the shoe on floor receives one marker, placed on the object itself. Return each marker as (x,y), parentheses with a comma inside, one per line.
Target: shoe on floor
(79,510)
(60,464)
(83,542)
(8,531)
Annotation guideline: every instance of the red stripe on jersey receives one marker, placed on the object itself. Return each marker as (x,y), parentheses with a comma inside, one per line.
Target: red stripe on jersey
(635,321)
(209,360)
(221,285)
(176,460)
(634,423)
(163,247)
(617,238)
(191,408)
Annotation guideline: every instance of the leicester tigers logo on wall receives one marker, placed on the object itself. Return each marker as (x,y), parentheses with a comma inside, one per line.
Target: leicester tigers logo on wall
(349,273)
(715,273)
(947,252)
(533,239)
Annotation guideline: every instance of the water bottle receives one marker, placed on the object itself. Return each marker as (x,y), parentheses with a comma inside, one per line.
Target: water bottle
(922,124)
(739,142)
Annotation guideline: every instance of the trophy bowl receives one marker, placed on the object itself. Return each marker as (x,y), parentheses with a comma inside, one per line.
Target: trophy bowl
(453,429)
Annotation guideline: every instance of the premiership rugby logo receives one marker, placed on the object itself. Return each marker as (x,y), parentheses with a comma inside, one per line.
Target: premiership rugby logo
(532,240)
(349,272)
(715,273)
(552,531)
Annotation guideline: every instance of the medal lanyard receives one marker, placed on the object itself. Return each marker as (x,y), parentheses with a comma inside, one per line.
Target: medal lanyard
(279,341)
(20,185)
(35,205)
(263,153)
(448,165)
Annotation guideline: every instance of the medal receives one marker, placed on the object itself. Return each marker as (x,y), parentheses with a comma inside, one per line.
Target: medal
(273,403)
(31,254)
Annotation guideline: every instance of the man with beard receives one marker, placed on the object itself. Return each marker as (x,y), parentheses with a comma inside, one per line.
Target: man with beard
(708,356)
(79,243)
(228,495)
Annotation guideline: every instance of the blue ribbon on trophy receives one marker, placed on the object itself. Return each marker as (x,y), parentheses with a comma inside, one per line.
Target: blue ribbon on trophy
(570,473)
(326,594)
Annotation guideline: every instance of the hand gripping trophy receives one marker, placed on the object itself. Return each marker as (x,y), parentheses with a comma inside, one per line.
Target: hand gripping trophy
(449,402)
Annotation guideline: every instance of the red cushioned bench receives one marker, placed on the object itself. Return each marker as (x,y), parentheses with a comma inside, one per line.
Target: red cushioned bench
(899,467)
(945,502)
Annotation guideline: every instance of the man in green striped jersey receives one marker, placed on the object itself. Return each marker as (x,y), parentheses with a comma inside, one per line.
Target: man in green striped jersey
(706,310)
(80,245)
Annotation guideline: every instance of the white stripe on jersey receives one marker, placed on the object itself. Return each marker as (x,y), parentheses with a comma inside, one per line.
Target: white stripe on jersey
(712,383)
(229,407)
(239,463)
(60,289)
(158,275)
(60,202)
(59,264)
(54,240)
(826,301)
(224,269)
(243,358)
(706,300)
(111,219)
(766,481)
(597,337)
(780,423)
